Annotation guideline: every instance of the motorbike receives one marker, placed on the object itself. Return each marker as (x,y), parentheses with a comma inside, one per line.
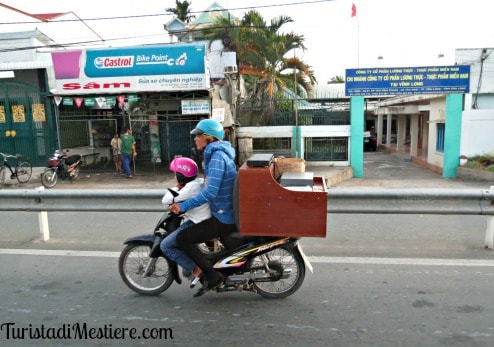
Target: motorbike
(273,267)
(61,165)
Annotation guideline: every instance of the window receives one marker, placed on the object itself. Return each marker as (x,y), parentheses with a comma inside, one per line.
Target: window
(326,148)
(440,127)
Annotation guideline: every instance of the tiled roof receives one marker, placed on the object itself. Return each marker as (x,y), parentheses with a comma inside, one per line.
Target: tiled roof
(48,16)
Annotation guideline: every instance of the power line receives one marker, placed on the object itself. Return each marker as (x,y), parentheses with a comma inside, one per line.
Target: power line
(165,14)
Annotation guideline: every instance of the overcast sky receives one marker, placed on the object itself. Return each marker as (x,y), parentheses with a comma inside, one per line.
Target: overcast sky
(402,32)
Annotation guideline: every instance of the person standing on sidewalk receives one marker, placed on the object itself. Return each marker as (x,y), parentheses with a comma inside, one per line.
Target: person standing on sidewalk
(116,146)
(128,150)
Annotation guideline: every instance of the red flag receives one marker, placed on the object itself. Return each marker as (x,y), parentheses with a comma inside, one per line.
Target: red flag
(121,99)
(354,10)
(78,101)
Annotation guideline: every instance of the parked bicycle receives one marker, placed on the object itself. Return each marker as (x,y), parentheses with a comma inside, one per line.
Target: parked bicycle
(22,170)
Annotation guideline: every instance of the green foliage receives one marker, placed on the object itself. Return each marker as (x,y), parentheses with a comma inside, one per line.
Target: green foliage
(261,48)
(283,103)
(481,162)
(182,11)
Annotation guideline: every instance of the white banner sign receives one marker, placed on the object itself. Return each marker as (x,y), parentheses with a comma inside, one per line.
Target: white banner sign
(195,106)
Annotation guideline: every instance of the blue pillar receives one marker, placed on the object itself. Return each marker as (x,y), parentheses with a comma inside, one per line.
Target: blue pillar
(452,135)
(297,142)
(357,135)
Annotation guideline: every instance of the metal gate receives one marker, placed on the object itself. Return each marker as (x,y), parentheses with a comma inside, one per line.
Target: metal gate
(27,126)
(175,138)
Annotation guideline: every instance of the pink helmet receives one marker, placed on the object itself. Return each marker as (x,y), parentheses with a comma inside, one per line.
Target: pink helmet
(185,166)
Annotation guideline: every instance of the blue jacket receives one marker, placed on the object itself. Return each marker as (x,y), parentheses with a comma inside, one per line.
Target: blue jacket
(220,172)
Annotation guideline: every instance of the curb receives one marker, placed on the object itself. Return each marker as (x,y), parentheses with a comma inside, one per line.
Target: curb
(343,174)
(480,175)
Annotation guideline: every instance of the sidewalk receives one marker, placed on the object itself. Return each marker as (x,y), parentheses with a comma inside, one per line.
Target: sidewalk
(396,170)
(381,170)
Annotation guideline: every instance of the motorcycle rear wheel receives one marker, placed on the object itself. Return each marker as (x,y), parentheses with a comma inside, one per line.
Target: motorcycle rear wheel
(75,173)
(49,178)
(279,260)
(131,266)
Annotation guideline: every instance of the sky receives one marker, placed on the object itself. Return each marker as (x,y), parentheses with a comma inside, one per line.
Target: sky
(400,32)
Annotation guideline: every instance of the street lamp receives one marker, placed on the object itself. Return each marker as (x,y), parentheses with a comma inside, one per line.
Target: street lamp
(295,106)
(295,89)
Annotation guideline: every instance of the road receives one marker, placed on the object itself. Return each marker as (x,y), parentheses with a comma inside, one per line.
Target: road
(341,304)
(379,280)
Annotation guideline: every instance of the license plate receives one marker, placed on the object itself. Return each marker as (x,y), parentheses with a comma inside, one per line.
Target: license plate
(304,257)
(366,140)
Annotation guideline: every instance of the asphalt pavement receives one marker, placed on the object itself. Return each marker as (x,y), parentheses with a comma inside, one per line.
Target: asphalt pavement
(382,169)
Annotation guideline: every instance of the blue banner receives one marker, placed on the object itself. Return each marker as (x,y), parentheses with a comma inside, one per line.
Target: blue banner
(408,80)
(131,69)
(145,61)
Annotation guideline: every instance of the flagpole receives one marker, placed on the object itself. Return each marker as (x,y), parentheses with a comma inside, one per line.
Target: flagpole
(354,14)
(358,43)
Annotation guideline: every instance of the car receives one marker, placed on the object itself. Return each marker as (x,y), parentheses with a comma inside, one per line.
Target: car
(370,141)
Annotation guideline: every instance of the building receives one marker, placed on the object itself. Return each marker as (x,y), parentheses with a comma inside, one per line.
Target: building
(417,124)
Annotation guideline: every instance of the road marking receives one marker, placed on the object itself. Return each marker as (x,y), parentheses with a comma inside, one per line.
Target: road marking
(403,261)
(69,253)
(312,259)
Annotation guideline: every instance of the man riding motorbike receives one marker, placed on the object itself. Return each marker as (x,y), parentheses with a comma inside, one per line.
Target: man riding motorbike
(220,172)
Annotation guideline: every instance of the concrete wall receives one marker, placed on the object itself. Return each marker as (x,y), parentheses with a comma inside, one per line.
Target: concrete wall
(479,59)
(305,131)
(477,132)
(437,114)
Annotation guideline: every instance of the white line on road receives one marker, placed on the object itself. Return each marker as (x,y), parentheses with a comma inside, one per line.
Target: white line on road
(326,260)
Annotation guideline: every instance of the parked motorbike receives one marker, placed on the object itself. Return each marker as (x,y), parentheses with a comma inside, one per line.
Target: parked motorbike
(273,267)
(61,165)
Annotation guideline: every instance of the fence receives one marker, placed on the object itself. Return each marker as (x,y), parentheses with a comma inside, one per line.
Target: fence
(439,201)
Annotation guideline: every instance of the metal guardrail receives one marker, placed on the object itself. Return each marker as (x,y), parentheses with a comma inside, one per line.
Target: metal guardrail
(466,201)
(447,201)
(97,200)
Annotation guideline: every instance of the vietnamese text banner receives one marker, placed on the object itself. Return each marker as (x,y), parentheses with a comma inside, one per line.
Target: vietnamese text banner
(131,69)
(408,80)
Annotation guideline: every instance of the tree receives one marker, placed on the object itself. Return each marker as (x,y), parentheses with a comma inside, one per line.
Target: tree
(336,79)
(182,11)
(261,50)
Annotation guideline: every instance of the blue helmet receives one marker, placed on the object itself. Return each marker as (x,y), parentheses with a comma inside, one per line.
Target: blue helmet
(209,127)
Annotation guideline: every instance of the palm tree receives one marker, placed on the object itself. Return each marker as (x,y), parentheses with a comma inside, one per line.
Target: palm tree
(260,51)
(336,79)
(182,11)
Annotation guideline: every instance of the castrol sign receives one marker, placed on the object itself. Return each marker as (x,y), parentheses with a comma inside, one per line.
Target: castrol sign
(131,69)
(113,62)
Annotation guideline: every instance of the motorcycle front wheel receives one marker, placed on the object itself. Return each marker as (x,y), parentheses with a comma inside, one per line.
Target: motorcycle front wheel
(286,270)
(49,178)
(133,264)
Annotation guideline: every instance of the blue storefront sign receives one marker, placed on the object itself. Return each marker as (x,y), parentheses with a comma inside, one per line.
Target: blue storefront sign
(408,80)
(145,61)
(131,69)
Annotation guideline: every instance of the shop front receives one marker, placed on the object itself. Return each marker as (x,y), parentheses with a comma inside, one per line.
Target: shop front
(159,91)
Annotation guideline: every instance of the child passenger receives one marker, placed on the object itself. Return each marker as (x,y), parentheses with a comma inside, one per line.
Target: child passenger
(188,185)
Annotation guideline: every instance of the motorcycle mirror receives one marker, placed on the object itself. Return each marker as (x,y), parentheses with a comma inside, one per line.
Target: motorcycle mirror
(173,192)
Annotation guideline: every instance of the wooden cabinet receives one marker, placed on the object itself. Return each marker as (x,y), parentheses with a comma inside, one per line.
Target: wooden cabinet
(265,208)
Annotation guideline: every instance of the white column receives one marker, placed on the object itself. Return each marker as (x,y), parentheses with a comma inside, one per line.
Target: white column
(44,229)
(389,119)
(400,132)
(425,134)
(414,134)
(379,129)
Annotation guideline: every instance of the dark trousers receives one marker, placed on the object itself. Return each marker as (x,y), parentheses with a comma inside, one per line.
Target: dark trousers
(201,232)
(126,160)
